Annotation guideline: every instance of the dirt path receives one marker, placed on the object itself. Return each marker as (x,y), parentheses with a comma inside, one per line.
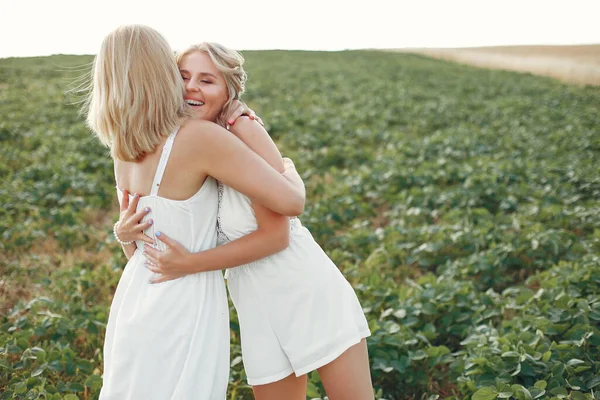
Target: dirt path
(573,64)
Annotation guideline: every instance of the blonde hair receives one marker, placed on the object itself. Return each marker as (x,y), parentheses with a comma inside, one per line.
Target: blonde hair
(230,63)
(137,95)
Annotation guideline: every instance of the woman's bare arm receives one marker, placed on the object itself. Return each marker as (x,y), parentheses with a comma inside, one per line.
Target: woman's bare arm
(271,236)
(229,160)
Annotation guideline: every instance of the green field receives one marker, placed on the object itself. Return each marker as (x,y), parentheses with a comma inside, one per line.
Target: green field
(462,204)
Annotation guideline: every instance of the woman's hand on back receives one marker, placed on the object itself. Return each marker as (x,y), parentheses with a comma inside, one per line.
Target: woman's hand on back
(130,226)
(168,264)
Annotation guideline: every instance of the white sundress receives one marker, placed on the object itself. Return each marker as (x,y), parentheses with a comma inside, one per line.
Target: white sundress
(296,310)
(170,341)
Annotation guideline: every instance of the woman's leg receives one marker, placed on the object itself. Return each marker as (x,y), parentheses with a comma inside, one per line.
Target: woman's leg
(289,388)
(348,377)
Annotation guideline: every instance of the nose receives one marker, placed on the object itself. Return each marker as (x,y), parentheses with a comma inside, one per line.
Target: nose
(192,86)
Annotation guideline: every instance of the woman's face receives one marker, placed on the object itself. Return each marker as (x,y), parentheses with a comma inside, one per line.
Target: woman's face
(205,87)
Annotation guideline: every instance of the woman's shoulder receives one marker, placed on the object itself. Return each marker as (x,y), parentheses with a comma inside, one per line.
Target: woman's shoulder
(198,130)
(198,135)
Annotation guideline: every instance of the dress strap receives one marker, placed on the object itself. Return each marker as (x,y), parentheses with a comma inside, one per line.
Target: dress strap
(162,163)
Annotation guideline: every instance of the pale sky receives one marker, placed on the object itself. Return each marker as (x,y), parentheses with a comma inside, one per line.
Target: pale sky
(43,27)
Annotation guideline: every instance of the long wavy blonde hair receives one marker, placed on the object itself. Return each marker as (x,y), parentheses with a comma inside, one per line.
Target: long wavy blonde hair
(230,63)
(137,94)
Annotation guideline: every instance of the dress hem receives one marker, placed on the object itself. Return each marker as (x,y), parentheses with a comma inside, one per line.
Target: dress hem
(313,365)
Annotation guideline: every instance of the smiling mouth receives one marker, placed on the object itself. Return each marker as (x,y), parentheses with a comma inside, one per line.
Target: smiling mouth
(194,103)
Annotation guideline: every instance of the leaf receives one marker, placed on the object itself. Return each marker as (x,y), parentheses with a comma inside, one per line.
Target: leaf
(575,395)
(40,354)
(592,383)
(560,392)
(5,364)
(312,391)
(521,393)
(537,392)
(94,382)
(76,387)
(575,385)
(541,385)
(236,361)
(485,393)
(7,395)
(31,382)
(437,351)
(39,370)
(504,391)
(20,388)
(417,355)
(517,371)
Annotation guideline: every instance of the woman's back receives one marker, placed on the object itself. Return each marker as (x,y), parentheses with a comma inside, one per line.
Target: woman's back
(182,176)
(183,202)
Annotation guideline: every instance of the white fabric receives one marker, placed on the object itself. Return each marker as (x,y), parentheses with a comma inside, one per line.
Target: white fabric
(162,162)
(170,341)
(296,310)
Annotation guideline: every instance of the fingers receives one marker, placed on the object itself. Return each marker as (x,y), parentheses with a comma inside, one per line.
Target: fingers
(133,205)
(145,238)
(163,278)
(153,268)
(233,111)
(237,108)
(151,254)
(151,259)
(125,200)
(141,214)
(165,239)
(238,112)
(260,121)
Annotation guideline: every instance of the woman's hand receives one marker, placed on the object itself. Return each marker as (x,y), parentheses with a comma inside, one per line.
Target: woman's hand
(130,226)
(237,109)
(169,264)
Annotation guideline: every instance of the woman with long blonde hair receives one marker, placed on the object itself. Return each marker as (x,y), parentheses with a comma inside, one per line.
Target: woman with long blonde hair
(297,312)
(170,341)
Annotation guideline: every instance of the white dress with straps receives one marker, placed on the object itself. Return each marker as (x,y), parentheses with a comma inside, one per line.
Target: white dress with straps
(170,341)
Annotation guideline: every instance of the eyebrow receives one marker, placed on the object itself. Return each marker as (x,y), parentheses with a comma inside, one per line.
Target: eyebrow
(201,73)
